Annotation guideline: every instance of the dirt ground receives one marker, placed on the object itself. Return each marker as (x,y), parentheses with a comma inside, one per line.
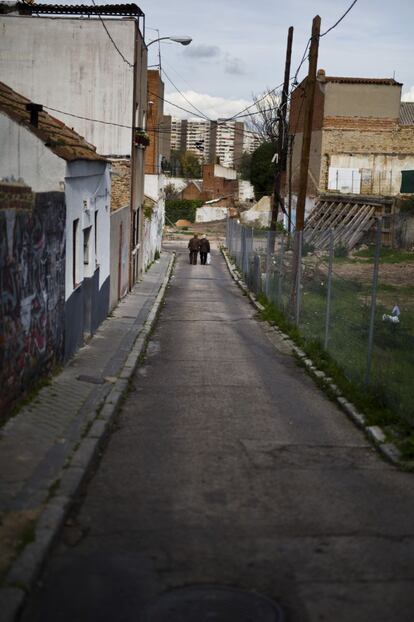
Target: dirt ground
(389,274)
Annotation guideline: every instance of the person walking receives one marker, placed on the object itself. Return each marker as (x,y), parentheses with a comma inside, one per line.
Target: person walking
(204,249)
(194,247)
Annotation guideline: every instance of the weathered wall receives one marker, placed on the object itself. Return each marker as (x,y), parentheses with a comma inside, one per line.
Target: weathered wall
(215,186)
(380,101)
(35,51)
(120,184)
(387,151)
(153,219)
(23,156)
(208,214)
(32,291)
(120,230)
(314,169)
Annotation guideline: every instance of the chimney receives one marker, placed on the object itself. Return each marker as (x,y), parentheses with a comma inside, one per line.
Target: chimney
(34,110)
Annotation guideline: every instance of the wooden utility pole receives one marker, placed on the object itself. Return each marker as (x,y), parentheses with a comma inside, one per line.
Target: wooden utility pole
(282,134)
(308,117)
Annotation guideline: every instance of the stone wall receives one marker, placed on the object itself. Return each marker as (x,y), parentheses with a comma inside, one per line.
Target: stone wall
(120,184)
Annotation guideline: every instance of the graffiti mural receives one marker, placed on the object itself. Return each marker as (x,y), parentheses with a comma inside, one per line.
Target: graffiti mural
(32,289)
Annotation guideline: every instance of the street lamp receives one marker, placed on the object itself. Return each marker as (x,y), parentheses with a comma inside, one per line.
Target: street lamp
(182,40)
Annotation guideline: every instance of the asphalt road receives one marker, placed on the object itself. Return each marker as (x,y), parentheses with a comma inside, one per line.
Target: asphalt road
(228,466)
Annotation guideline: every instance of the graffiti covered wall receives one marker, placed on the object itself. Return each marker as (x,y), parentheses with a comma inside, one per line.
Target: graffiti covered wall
(32,288)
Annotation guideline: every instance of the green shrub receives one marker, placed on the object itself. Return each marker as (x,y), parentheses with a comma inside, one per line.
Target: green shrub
(177,209)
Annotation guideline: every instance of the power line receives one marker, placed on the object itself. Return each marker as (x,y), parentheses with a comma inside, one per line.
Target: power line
(340,19)
(112,41)
(184,97)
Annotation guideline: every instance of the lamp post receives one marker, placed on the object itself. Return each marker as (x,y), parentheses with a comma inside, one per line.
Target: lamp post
(182,40)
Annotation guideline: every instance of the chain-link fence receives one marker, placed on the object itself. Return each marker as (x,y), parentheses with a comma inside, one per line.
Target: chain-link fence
(358,306)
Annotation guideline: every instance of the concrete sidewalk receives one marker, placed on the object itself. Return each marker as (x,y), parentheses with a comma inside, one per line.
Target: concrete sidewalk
(46,448)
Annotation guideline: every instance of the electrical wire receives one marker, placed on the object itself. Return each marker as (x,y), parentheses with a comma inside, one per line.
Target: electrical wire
(184,97)
(340,19)
(112,41)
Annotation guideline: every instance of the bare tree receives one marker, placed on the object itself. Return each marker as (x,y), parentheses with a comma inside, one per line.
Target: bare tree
(263,119)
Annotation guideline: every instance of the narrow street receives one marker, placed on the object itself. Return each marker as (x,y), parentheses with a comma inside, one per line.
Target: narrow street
(228,466)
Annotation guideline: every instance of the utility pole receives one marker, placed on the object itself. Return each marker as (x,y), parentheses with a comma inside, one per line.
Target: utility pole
(282,134)
(308,117)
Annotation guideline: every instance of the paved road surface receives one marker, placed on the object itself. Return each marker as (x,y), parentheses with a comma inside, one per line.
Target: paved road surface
(229,466)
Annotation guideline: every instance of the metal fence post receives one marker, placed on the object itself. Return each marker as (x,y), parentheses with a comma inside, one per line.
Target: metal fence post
(280,272)
(257,275)
(299,278)
(373,300)
(329,293)
(270,247)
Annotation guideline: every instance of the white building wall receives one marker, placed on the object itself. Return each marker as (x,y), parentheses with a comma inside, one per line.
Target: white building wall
(209,214)
(153,227)
(24,157)
(70,64)
(87,191)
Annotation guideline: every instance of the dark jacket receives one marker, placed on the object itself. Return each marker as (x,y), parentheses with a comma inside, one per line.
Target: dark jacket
(204,245)
(194,244)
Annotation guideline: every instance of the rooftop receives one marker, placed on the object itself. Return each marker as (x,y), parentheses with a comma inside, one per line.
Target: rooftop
(322,77)
(407,113)
(112,10)
(58,137)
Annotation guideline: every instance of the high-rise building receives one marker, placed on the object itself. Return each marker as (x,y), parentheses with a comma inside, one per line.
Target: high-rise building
(251,141)
(227,142)
(217,142)
(176,130)
(198,139)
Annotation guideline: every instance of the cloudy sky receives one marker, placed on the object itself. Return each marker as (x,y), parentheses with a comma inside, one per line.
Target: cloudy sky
(239,46)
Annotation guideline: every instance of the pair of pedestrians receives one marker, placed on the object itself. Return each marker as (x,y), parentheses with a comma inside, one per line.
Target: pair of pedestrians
(196,246)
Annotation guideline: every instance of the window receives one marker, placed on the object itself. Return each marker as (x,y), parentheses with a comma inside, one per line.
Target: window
(75,233)
(96,237)
(86,245)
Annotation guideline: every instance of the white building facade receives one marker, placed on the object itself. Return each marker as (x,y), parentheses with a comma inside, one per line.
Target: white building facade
(68,63)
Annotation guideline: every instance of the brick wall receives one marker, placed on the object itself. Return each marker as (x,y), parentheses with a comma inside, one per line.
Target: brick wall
(215,187)
(155,123)
(121,184)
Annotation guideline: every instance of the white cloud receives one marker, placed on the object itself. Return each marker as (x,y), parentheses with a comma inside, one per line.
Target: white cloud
(409,95)
(213,107)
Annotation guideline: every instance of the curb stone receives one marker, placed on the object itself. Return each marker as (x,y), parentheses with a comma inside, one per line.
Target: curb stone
(27,566)
(374,433)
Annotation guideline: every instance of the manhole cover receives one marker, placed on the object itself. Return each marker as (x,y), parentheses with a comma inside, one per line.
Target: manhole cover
(210,603)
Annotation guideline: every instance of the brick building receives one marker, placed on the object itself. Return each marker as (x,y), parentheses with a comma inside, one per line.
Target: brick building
(362,140)
(220,182)
(362,136)
(158,125)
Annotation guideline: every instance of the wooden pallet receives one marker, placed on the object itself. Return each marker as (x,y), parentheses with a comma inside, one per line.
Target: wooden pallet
(349,219)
